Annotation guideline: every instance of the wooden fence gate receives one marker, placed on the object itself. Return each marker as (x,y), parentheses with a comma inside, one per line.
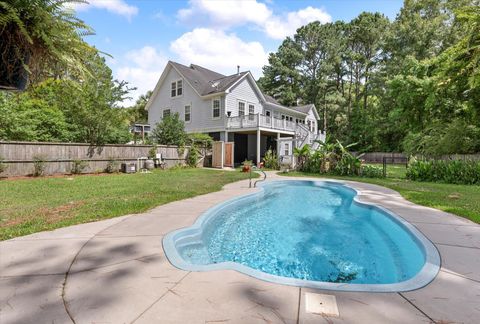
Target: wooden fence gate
(222,154)
(228,160)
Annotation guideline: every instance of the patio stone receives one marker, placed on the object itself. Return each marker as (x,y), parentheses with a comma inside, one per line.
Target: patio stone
(115,279)
(461,261)
(468,236)
(32,299)
(226,296)
(449,299)
(357,307)
(37,257)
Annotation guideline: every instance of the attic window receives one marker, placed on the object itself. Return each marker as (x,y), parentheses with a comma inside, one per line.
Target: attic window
(177,88)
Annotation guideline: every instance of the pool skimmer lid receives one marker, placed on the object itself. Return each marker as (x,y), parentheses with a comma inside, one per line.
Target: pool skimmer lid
(321,304)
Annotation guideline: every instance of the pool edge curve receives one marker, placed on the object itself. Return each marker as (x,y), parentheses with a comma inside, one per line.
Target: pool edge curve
(426,275)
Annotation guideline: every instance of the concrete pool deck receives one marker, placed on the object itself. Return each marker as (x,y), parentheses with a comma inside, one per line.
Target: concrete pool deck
(115,271)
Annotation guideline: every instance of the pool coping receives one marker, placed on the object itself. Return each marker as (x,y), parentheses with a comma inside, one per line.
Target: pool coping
(426,275)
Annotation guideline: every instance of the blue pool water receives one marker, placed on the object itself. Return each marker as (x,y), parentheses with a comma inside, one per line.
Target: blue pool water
(310,231)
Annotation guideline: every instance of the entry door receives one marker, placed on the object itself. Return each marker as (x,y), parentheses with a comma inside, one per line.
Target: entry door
(229,154)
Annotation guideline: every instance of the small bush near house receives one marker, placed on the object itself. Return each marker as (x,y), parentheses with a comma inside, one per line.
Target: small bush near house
(270,160)
(112,166)
(448,171)
(78,166)
(370,171)
(39,165)
(170,131)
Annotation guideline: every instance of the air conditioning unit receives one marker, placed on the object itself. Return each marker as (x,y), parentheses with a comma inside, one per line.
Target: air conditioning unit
(129,167)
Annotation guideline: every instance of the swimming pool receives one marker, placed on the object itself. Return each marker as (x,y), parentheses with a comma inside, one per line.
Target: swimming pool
(307,233)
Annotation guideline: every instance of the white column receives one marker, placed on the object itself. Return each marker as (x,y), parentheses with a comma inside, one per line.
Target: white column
(258,147)
(278,144)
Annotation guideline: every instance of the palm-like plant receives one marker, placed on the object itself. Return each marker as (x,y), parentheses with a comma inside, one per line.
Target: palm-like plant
(41,38)
(302,154)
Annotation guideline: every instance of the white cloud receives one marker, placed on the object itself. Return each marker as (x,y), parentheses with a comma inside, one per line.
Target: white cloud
(119,7)
(226,13)
(229,13)
(280,27)
(142,69)
(219,51)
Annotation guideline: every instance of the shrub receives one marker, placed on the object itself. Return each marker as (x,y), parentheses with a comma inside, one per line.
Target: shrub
(201,140)
(112,166)
(152,153)
(370,171)
(3,166)
(448,171)
(170,131)
(348,165)
(192,157)
(39,165)
(270,160)
(78,166)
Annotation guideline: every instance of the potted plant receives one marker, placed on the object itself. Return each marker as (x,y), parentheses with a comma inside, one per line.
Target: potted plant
(247,165)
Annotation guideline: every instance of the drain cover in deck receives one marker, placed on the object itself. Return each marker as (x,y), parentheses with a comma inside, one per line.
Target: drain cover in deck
(321,304)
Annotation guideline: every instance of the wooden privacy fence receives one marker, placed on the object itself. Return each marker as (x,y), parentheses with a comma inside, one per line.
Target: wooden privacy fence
(399,158)
(19,156)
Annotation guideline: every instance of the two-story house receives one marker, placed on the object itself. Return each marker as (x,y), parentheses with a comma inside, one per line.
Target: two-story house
(232,109)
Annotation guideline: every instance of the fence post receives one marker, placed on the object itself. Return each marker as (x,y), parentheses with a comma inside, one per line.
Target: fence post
(384,166)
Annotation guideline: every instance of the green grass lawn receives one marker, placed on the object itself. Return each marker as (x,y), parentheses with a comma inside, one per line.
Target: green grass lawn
(461,200)
(37,204)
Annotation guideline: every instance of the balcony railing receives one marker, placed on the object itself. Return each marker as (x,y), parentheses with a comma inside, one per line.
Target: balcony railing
(255,121)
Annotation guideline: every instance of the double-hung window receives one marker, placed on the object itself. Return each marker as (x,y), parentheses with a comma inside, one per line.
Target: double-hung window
(287,149)
(176,88)
(216,108)
(251,112)
(179,87)
(241,108)
(166,112)
(188,113)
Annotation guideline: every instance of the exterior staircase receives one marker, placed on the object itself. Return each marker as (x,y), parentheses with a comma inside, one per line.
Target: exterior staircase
(304,136)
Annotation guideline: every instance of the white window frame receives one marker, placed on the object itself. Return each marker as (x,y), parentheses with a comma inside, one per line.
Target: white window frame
(219,108)
(174,87)
(164,110)
(244,106)
(286,148)
(251,114)
(189,113)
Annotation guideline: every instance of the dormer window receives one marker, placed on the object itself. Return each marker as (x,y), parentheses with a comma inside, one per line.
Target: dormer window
(176,88)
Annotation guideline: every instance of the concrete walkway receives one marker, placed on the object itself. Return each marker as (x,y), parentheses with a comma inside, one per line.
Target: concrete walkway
(115,271)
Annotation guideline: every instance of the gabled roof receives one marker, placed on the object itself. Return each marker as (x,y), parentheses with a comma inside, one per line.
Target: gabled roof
(222,84)
(304,109)
(207,82)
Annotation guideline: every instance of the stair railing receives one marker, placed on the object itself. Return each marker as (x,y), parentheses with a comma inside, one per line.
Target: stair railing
(261,180)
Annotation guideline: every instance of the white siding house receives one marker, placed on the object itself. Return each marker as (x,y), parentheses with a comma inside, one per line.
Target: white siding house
(232,108)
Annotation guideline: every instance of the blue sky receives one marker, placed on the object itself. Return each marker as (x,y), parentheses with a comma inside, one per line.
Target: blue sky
(143,35)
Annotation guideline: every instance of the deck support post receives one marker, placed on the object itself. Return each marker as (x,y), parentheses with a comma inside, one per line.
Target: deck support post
(258,147)
(278,145)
